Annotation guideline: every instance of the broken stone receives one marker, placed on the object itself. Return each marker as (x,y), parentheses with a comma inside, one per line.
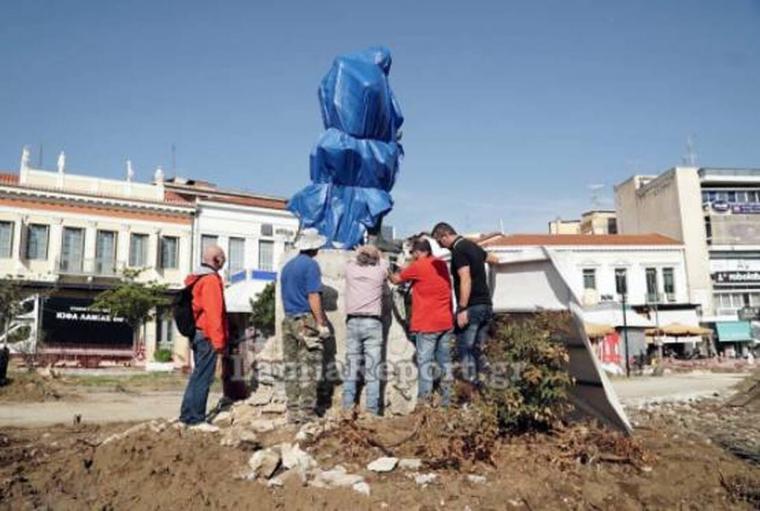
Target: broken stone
(410,464)
(223,419)
(362,488)
(295,457)
(262,396)
(235,437)
(475,479)
(264,463)
(423,479)
(262,425)
(274,408)
(384,464)
(309,431)
(336,478)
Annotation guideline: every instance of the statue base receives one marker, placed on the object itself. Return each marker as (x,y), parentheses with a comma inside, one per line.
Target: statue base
(399,392)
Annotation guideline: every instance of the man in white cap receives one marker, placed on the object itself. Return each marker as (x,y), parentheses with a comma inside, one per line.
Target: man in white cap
(304,328)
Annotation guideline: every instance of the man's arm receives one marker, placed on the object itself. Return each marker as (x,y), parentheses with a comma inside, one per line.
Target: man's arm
(465,288)
(492,258)
(315,304)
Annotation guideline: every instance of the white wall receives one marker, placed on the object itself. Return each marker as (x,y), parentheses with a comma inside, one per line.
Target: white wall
(571,260)
(226,221)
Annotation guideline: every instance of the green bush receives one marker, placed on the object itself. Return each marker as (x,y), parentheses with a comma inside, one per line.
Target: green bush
(163,355)
(262,311)
(528,387)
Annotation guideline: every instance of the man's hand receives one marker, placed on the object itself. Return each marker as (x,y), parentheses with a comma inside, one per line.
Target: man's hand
(324,332)
(463,318)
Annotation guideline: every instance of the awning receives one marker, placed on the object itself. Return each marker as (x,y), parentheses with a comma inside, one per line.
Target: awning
(598,329)
(733,331)
(238,296)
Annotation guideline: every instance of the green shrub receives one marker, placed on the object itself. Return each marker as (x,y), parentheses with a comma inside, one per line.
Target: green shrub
(528,387)
(262,311)
(163,355)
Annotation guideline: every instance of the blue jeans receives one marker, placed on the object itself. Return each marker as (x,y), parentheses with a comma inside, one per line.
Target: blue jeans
(434,349)
(193,409)
(470,341)
(364,339)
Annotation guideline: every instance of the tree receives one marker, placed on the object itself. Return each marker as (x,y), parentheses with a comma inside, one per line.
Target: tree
(10,304)
(136,302)
(262,311)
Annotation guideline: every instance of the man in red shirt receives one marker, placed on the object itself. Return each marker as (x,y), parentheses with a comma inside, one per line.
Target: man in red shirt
(432,319)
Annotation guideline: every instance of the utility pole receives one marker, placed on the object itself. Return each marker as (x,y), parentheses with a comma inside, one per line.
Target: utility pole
(625,340)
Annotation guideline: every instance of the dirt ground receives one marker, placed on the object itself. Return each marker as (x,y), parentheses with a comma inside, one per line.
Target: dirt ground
(665,466)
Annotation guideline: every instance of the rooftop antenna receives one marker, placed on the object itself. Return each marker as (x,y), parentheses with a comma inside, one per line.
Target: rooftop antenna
(39,163)
(596,201)
(690,158)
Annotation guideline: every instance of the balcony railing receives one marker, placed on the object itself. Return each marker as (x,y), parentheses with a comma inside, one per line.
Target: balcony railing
(89,267)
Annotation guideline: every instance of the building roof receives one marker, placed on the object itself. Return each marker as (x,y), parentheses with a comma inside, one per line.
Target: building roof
(12,180)
(521,240)
(190,189)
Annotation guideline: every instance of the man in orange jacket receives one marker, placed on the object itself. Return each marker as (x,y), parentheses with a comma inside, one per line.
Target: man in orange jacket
(211,334)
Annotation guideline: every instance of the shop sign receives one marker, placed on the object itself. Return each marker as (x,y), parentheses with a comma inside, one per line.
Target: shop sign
(720,206)
(70,321)
(736,277)
(750,208)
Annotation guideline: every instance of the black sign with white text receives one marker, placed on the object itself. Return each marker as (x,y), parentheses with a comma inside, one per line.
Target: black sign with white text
(71,321)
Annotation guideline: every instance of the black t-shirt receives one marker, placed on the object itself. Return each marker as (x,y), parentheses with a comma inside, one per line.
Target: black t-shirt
(466,253)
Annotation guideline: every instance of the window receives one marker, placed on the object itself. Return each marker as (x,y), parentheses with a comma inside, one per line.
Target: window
(138,250)
(164,328)
(732,196)
(669,284)
(236,259)
(6,239)
(729,303)
(721,196)
(589,278)
(168,254)
(621,281)
(741,196)
(651,277)
(712,195)
(266,229)
(206,241)
(72,249)
(36,241)
(266,255)
(612,226)
(105,253)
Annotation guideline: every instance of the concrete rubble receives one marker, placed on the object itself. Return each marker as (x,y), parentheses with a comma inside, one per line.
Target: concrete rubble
(384,464)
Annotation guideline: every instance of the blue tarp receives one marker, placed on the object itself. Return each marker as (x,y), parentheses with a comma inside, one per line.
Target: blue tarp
(354,164)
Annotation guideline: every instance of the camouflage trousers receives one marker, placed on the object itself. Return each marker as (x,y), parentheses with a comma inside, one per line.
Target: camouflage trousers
(303,356)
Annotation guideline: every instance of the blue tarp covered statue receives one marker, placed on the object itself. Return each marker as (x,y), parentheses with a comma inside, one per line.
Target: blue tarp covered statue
(354,163)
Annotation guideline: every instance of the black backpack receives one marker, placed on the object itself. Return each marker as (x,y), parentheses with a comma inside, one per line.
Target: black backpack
(182,310)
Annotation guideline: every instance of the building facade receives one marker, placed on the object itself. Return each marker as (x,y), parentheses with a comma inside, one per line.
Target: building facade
(596,221)
(716,214)
(66,237)
(646,272)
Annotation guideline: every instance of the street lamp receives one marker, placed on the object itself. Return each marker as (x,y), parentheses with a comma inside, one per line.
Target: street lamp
(622,287)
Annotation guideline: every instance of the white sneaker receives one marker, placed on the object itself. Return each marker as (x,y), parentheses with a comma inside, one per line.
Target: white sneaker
(204,427)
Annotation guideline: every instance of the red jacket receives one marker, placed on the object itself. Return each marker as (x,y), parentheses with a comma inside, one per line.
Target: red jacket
(208,306)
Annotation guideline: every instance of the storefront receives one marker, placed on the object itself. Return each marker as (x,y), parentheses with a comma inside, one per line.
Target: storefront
(734,338)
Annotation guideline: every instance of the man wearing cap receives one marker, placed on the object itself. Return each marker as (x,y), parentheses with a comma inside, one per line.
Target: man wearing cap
(366,275)
(304,327)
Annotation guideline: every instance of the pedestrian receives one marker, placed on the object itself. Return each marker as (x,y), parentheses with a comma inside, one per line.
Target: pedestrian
(366,284)
(211,335)
(304,327)
(474,308)
(432,322)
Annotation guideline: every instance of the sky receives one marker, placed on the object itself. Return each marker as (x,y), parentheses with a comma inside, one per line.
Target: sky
(513,109)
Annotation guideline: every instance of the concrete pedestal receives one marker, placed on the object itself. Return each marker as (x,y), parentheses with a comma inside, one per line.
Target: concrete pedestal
(400,389)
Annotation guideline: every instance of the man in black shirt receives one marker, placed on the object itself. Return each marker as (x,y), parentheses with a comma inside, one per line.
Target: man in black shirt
(474,309)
